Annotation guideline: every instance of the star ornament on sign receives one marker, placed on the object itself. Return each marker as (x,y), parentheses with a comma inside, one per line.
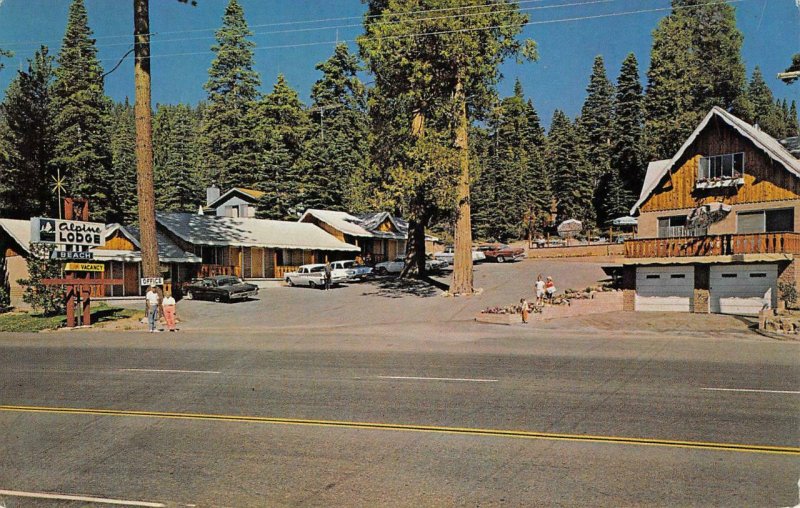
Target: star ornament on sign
(58,183)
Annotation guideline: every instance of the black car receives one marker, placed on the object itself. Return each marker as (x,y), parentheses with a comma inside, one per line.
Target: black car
(222,288)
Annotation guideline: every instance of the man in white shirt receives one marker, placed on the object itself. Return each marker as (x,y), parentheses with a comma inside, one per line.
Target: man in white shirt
(151,298)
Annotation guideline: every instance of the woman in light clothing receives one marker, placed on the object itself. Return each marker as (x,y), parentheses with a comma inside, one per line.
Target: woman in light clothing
(169,311)
(550,288)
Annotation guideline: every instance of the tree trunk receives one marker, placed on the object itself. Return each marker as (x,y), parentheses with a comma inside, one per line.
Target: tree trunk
(415,248)
(144,140)
(462,262)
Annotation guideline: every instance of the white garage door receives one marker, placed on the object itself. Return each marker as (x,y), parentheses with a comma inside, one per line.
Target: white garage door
(664,288)
(742,289)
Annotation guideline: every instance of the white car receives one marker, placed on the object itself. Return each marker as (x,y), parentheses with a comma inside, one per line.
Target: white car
(448,255)
(396,266)
(354,271)
(314,276)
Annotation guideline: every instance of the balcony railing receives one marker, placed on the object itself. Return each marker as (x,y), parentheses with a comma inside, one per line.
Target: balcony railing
(714,245)
(207,270)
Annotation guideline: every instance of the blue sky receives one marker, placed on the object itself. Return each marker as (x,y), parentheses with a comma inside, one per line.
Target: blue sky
(293,36)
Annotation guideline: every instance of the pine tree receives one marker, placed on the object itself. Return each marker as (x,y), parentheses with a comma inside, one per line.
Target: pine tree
(284,126)
(570,173)
(27,172)
(178,186)
(627,159)
(695,64)
(123,156)
(767,113)
(229,143)
(793,126)
(337,148)
(82,120)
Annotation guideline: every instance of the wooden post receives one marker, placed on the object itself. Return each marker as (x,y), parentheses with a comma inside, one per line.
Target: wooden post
(144,139)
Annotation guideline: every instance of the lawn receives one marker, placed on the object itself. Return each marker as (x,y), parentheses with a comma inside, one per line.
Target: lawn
(27,322)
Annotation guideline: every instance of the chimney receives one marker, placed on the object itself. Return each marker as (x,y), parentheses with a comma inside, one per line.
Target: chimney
(212,194)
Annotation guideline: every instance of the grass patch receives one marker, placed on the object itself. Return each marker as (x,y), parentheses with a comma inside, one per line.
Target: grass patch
(27,322)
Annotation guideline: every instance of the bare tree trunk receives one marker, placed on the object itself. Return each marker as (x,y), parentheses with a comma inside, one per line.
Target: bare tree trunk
(462,283)
(415,248)
(144,139)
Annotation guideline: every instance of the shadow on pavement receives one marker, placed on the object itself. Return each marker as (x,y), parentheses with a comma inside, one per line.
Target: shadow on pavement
(394,287)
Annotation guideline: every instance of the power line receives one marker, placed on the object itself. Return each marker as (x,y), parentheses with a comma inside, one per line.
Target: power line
(463,30)
(288,23)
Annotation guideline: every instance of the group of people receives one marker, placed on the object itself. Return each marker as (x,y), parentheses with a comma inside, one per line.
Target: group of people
(545,289)
(156,303)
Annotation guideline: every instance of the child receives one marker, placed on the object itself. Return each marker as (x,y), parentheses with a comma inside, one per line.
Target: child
(550,288)
(539,290)
(524,304)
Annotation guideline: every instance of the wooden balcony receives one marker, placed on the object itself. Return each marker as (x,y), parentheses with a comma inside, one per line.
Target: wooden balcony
(714,245)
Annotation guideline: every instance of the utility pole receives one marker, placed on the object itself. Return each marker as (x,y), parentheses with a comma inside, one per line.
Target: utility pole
(144,139)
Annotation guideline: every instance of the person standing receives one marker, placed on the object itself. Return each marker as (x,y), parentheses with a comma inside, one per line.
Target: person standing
(550,288)
(170,311)
(523,303)
(328,275)
(151,301)
(539,286)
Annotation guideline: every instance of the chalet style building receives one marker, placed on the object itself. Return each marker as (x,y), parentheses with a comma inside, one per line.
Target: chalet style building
(719,224)
(236,202)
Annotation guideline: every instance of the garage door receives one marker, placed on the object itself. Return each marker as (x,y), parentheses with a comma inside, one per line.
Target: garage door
(742,289)
(664,288)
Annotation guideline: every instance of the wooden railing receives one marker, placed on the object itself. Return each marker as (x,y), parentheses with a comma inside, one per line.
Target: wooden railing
(714,245)
(281,270)
(212,270)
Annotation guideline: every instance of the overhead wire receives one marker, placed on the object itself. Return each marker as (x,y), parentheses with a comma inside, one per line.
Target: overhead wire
(463,30)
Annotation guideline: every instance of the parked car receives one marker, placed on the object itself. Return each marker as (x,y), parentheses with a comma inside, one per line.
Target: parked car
(501,253)
(448,255)
(397,264)
(222,288)
(354,271)
(314,276)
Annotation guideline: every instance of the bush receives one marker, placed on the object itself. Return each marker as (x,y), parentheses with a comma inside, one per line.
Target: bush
(5,300)
(788,293)
(49,300)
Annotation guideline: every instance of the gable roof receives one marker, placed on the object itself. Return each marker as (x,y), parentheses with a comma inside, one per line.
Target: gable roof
(245,232)
(19,231)
(341,221)
(769,145)
(168,251)
(251,195)
(792,145)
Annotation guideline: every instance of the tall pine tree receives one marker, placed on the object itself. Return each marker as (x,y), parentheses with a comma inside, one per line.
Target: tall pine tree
(767,113)
(27,171)
(627,158)
(178,187)
(338,142)
(82,119)
(695,64)
(283,130)
(229,143)
(123,156)
(570,172)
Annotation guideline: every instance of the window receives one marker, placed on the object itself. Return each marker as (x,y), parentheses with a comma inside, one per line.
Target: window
(765,221)
(678,276)
(728,275)
(653,277)
(758,275)
(669,227)
(721,167)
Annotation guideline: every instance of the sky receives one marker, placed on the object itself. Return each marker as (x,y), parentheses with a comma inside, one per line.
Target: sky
(293,36)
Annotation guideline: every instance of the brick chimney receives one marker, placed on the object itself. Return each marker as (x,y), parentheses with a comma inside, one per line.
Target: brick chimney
(212,194)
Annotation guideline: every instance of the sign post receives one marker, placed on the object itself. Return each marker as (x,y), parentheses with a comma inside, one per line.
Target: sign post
(79,235)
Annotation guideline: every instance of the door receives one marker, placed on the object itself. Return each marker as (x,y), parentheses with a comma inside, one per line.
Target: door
(743,289)
(664,288)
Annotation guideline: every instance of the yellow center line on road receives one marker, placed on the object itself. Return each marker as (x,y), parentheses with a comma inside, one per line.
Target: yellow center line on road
(698,445)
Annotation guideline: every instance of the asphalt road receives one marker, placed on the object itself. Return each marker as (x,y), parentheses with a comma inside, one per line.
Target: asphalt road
(400,417)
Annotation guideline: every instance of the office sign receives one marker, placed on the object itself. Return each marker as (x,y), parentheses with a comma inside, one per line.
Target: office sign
(63,255)
(68,232)
(152,281)
(84,267)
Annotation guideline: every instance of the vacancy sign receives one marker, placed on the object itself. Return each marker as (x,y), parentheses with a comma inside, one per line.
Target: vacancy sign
(84,267)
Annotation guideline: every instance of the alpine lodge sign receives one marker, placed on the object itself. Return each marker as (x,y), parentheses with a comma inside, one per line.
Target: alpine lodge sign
(67,232)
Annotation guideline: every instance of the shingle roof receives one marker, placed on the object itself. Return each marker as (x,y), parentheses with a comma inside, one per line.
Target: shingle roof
(19,230)
(249,193)
(245,232)
(769,145)
(342,221)
(792,145)
(168,251)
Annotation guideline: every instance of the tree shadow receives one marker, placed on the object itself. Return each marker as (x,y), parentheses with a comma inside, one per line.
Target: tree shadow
(395,287)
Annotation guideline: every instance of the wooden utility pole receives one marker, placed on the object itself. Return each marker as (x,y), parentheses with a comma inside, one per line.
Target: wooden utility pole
(144,139)
(462,283)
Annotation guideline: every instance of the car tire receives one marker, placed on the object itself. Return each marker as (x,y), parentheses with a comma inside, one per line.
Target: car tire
(189,295)
(289,281)
(217,299)
(312,284)
(501,259)
(382,270)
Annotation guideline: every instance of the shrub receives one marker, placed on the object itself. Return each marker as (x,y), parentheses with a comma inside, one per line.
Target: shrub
(47,299)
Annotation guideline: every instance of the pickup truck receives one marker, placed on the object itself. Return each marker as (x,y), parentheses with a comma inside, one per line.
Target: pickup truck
(353,270)
(314,276)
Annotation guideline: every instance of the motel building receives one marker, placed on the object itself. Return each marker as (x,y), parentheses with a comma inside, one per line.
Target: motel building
(719,224)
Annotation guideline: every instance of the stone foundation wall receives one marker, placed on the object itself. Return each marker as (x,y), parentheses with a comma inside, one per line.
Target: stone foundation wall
(700,301)
(787,275)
